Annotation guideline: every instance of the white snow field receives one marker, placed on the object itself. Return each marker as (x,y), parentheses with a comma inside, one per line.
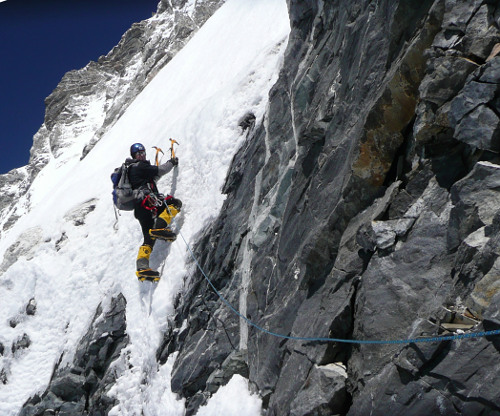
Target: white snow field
(225,71)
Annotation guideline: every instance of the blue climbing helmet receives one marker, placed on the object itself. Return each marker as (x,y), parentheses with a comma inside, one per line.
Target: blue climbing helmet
(136,147)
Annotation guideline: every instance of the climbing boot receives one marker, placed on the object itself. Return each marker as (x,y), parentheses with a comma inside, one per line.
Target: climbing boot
(166,216)
(163,234)
(143,257)
(148,274)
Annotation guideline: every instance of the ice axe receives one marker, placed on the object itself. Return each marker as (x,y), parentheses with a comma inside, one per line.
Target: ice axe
(172,152)
(158,150)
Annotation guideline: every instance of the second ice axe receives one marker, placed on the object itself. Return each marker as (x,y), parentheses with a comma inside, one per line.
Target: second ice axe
(158,150)
(172,152)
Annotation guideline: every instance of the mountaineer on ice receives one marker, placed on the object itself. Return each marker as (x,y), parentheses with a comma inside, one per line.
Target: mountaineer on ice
(152,209)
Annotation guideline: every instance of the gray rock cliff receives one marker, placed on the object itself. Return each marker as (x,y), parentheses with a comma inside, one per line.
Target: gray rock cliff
(366,207)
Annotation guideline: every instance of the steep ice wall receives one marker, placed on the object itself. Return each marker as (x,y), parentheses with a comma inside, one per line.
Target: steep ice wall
(88,101)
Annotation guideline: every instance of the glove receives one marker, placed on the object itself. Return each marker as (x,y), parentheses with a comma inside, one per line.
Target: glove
(174,161)
(176,203)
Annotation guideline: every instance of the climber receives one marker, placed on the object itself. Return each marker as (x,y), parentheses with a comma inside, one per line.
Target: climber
(153,210)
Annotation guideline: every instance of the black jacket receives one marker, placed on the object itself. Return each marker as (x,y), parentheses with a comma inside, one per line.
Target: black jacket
(142,175)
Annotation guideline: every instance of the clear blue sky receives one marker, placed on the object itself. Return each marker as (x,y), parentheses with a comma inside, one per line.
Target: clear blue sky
(41,40)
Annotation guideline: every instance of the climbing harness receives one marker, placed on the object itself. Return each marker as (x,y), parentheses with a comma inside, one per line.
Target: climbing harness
(151,202)
(347,341)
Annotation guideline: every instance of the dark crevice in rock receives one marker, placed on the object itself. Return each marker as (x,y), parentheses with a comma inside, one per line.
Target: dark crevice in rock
(475,59)
(310,162)
(366,256)
(168,344)
(449,160)
(493,108)
(338,352)
(400,166)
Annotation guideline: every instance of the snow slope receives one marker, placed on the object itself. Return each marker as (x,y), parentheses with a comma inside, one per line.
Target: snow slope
(225,71)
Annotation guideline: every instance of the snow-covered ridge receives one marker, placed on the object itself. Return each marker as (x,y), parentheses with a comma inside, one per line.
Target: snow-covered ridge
(89,100)
(62,251)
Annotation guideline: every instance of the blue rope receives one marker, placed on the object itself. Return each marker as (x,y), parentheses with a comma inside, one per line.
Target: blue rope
(347,341)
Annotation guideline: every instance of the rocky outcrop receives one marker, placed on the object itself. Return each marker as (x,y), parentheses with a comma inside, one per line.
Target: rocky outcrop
(81,387)
(365,207)
(413,284)
(25,245)
(88,101)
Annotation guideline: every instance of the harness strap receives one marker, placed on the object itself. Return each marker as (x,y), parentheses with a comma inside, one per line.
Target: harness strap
(151,202)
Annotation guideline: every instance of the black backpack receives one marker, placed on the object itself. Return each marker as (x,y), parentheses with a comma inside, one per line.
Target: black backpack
(123,194)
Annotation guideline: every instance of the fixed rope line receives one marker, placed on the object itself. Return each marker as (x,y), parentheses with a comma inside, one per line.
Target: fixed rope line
(347,341)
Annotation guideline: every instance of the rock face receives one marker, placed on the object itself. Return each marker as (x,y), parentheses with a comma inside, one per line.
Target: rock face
(88,101)
(80,387)
(366,207)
